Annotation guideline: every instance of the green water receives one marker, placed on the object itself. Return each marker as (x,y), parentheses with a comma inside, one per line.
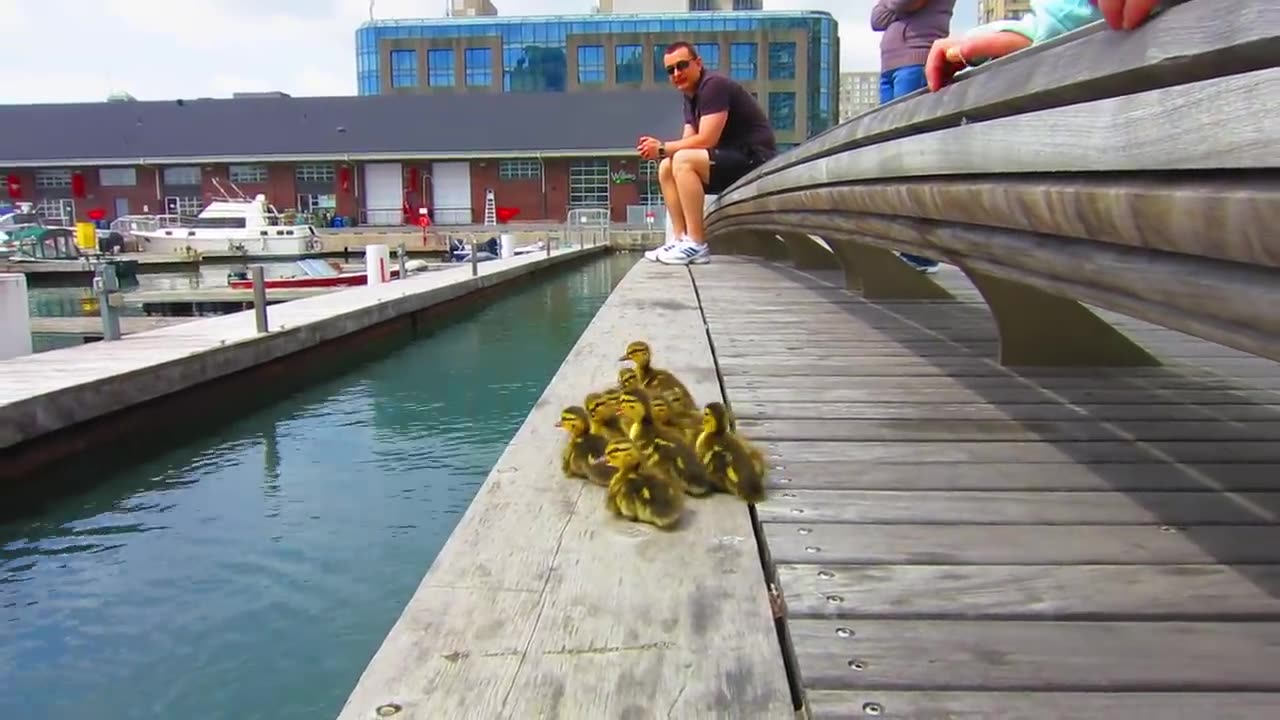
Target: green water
(254,572)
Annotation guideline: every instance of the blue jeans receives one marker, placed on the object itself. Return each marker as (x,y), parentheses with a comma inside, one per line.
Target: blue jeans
(894,84)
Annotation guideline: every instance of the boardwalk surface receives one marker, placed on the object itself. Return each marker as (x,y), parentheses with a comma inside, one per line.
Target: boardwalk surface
(543,605)
(958,539)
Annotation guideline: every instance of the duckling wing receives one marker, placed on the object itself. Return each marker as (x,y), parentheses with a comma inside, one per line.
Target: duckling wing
(745,477)
(600,472)
(659,502)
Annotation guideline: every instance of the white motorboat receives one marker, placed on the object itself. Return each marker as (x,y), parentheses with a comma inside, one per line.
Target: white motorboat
(242,225)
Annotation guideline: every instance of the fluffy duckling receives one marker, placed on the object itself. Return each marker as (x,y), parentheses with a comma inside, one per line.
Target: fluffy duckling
(603,410)
(639,493)
(628,379)
(584,447)
(651,378)
(684,417)
(731,461)
(667,450)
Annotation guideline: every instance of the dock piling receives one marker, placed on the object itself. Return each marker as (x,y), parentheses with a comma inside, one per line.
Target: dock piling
(259,297)
(402,258)
(15,316)
(475,268)
(107,287)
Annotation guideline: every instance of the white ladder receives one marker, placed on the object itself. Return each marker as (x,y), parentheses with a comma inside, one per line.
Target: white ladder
(490,208)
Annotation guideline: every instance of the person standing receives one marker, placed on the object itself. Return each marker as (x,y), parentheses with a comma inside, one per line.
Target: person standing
(910,28)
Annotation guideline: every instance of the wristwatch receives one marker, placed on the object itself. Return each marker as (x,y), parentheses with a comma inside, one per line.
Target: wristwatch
(662,150)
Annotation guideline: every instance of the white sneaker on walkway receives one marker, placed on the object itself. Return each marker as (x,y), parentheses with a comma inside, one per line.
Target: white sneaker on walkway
(686,253)
(658,252)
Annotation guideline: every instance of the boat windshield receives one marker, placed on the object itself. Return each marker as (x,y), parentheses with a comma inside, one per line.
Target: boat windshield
(218,222)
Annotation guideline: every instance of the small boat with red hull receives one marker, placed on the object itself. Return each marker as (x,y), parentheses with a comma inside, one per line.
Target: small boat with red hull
(316,273)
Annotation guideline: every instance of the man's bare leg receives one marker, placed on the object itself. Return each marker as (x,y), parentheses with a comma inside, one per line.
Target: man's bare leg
(692,169)
(667,181)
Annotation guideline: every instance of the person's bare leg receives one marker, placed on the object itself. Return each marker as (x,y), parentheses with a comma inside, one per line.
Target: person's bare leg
(692,170)
(667,181)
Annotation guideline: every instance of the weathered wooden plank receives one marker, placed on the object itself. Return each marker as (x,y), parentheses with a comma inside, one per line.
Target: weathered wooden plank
(969,367)
(933,544)
(1176,215)
(745,395)
(1035,655)
(1020,705)
(979,507)
(1210,592)
(783,451)
(925,428)
(617,628)
(92,326)
(1065,477)
(1196,40)
(1206,125)
(1045,411)
(1072,387)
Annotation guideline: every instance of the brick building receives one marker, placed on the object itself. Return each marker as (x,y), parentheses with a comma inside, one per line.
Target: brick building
(363,158)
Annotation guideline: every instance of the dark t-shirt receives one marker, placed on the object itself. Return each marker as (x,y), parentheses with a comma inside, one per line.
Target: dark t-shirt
(747,129)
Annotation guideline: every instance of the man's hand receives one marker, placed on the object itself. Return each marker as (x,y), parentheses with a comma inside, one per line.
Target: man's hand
(648,147)
(1125,14)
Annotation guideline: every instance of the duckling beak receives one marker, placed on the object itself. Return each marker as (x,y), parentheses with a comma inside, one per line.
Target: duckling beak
(624,357)
(559,423)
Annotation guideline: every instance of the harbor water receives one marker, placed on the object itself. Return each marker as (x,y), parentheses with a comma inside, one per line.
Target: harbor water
(253,572)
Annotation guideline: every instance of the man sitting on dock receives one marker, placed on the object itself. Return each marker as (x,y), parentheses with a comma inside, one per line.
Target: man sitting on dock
(726,135)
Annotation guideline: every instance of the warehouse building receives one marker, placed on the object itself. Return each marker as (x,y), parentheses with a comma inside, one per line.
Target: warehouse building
(373,160)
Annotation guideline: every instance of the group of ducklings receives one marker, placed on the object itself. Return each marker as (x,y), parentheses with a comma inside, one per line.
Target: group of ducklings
(643,440)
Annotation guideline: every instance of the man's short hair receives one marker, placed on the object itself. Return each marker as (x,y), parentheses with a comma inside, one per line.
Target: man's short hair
(679,44)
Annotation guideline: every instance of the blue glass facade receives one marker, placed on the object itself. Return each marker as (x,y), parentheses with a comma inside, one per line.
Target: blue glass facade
(791,56)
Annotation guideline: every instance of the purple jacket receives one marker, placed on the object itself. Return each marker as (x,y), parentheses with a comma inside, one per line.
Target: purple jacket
(908,35)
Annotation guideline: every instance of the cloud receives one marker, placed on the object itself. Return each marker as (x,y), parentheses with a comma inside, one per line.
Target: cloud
(164,49)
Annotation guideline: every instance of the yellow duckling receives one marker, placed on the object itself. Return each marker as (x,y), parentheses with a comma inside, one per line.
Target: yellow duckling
(639,493)
(731,461)
(603,410)
(628,379)
(667,450)
(684,417)
(583,448)
(651,378)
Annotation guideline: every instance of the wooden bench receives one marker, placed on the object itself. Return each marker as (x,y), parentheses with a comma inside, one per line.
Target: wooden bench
(1138,172)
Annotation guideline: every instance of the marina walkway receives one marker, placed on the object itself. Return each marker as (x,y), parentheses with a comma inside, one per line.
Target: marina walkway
(958,539)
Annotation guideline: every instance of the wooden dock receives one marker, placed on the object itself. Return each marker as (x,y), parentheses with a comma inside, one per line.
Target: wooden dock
(92,326)
(955,538)
(542,605)
(71,388)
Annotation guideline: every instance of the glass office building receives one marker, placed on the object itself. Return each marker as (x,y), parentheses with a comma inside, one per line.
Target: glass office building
(789,60)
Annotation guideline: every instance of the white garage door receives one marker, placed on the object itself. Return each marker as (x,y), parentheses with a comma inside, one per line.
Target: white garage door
(451,193)
(383,194)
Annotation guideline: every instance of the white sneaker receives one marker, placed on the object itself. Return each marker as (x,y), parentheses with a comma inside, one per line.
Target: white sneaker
(655,253)
(686,253)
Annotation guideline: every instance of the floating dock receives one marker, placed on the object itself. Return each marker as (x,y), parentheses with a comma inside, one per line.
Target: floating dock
(88,390)
(951,537)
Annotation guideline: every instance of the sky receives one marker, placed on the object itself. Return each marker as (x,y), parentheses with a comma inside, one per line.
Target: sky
(83,50)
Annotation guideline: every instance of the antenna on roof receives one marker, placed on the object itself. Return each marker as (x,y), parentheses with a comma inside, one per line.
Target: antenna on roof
(371,2)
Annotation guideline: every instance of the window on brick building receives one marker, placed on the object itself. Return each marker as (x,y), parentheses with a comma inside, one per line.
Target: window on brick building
(117,177)
(589,183)
(519,169)
(478,66)
(628,64)
(742,61)
(710,54)
(591,65)
(186,175)
(782,110)
(650,190)
(49,179)
(440,68)
(314,173)
(316,202)
(782,61)
(247,174)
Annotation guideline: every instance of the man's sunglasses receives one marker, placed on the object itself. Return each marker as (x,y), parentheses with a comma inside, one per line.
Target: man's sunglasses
(680,65)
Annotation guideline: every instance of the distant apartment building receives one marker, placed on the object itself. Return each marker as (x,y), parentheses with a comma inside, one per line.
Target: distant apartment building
(672,6)
(992,10)
(859,92)
(788,60)
(472,8)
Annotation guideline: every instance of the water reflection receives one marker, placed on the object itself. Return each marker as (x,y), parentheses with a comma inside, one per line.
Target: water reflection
(253,573)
